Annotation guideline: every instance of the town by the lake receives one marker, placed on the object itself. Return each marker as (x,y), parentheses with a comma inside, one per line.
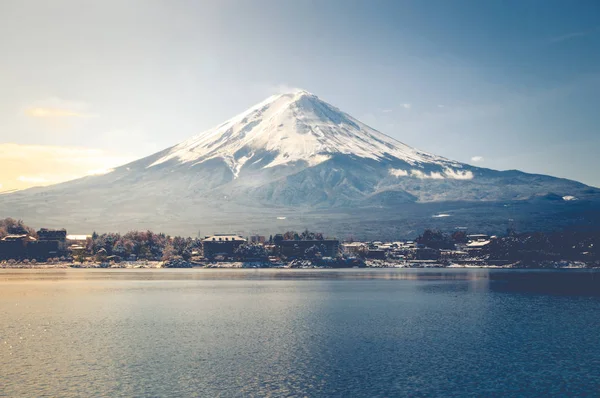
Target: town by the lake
(24,247)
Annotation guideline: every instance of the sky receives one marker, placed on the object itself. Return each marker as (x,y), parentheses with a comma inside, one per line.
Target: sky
(88,85)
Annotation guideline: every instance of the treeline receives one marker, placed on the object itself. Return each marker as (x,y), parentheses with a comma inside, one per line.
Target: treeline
(436,239)
(10,226)
(570,245)
(145,245)
(293,235)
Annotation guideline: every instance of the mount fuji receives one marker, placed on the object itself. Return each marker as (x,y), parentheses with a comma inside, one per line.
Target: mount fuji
(295,161)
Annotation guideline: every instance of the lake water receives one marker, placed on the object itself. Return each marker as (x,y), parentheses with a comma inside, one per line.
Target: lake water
(375,333)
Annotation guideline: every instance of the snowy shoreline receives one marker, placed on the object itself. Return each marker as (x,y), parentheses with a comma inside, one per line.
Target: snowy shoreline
(372,264)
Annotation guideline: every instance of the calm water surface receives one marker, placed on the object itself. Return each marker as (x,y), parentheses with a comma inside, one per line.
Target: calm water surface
(299,332)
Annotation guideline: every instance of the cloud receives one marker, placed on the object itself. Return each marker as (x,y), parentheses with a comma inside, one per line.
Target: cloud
(398,172)
(477,159)
(434,175)
(33,180)
(574,35)
(458,174)
(284,88)
(41,112)
(567,36)
(406,106)
(386,110)
(24,166)
(441,106)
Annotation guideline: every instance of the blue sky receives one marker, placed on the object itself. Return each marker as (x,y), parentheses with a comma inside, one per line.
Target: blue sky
(500,84)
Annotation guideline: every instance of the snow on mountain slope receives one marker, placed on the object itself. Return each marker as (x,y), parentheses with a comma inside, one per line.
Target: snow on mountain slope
(294,127)
(297,157)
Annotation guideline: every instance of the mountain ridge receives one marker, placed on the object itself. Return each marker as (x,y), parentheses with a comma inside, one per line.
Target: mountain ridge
(296,155)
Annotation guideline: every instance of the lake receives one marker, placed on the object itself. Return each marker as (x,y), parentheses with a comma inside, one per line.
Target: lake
(371,333)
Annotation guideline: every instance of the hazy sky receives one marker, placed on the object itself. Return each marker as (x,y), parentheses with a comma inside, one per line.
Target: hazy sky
(86,85)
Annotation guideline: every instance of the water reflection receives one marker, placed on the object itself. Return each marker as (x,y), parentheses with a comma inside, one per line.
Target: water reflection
(298,333)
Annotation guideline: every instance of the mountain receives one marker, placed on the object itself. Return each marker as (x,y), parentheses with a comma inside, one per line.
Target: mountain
(295,161)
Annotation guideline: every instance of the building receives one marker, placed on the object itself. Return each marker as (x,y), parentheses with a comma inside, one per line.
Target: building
(476,246)
(353,248)
(257,239)
(221,245)
(376,254)
(478,237)
(77,239)
(14,247)
(49,243)
(297,248)
(427,253)
(54,235)
(77,244)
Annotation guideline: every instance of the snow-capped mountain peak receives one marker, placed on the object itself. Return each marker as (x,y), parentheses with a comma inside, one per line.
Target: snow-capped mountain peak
(292,127)
(298,160)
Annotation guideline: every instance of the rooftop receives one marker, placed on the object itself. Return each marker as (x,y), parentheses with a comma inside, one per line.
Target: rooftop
(223,237)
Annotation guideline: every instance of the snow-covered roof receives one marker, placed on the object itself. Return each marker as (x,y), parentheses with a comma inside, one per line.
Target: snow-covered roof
(477,236)
(480,243)
(223,238)
(78,237)
(20,236)
(353,244)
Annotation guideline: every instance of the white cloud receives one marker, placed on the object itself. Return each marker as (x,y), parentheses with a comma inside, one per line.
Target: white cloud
(386,110)
(441,106)
(285,88)
(458,174)
(40,112)
(406,106)
(33,179)
(567,36)
(434,175)
(477,159)
(24,166)
(398,172)
(57,108)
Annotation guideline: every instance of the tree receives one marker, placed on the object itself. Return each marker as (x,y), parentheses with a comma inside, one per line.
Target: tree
(307,235)
(291,235)
(314,252)
(459,237)
(251,251)
(101,255)
(10,226)
(435,240)
(363,251)
(168,252)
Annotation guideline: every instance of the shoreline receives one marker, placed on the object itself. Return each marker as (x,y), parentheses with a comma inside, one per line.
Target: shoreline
(371,265)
